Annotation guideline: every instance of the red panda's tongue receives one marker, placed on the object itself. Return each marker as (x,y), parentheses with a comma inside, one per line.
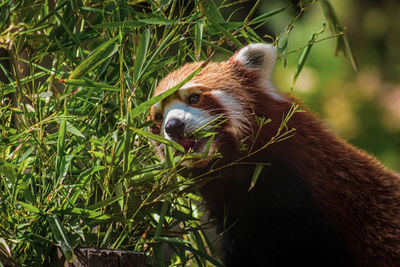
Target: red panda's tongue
(187,143)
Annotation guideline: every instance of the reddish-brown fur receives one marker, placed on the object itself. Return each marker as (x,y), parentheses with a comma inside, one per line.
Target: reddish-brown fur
(359,196)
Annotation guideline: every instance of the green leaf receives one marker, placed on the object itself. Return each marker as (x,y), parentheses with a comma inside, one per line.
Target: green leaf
(159,139)
(256,173)
(226,33)
(101,53)
(4,248)
(91,84)
(282,45)
(105,202)
(204,255)
(61,141)
(158,21)
(303,58)
(29,207)
(342,43)
(172,240)
(198,35)
(267,15)
(158,50)
(157,248)
(120,24)
(212,12)
(60,236)
(65,163)
(73,130)
(141,54)
(9,170)
(82,180)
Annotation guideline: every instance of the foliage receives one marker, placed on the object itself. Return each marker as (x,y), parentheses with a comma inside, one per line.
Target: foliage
(77,167)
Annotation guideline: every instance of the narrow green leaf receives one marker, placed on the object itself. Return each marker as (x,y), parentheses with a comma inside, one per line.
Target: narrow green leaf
(342,43)
(157,247)
(61,141)
(82,181)
(145,177)
(70,128)
(267,15)
(159,139)
(303,58)
(256,173)
(29,207)
(158,21)
(120,24)
(105,202)
(161,219)
(198,35)
(140,55)
(9,170)
(226,33)
(204,255)
(212,12)
(200,244)
(282,45)
(172,240)
(4,248)
(91,84)
(101,53)
(27,153)
(158,50)
(59,235)
(106,236)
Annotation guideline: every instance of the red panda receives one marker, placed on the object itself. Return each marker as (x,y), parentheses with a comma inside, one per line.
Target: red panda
(318,201)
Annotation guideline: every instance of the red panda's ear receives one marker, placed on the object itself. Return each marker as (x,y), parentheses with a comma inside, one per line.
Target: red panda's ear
(259,57)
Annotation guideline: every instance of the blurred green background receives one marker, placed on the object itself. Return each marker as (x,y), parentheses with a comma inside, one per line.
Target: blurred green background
(362,107)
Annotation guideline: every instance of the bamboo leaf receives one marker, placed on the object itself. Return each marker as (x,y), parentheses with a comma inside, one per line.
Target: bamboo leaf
(256,173)
(82,181)
(70,128)
(103,52)
(342,43)
(60,237)
(29,207)
(61,141)
(157,248)
(159,139)
(120,24)
(226,33)
(303,58)
(90,84)
(212,12)
(158,50)
(105,202)
(198,35)
(267,15)
(141,54)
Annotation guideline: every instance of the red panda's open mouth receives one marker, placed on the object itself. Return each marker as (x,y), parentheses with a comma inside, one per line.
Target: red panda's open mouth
(192,143)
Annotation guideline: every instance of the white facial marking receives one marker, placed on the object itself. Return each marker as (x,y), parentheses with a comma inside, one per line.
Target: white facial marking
(236,113)
(190,85)
(193,118)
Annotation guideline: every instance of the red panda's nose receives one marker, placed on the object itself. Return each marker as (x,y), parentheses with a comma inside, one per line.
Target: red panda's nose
(174,127)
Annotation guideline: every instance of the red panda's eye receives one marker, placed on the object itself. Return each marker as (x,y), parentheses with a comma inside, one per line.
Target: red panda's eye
(158,117)
(193,99)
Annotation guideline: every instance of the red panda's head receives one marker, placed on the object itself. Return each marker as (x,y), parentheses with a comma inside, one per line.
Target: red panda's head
(226,92)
